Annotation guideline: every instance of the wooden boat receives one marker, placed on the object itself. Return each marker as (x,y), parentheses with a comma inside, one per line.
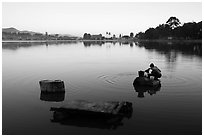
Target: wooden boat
(144,81)
(149,89)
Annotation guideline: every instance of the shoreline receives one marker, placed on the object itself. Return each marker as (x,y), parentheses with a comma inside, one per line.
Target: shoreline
(138,40)
(160,40)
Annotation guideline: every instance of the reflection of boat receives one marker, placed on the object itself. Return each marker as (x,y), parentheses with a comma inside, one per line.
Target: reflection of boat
(149,89)
(111,122)
(90,114)
(52,97)
(144,81)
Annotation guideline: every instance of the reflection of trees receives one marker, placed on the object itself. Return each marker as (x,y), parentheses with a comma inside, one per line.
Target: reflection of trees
(171,50)
(93,43)
(189,48)
(171,56)
(16,45)
(126,43)
(61,42)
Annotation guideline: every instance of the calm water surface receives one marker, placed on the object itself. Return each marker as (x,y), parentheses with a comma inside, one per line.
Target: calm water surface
(96,71)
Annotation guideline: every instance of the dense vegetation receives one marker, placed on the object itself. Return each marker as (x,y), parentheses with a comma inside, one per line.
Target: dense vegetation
(173,29)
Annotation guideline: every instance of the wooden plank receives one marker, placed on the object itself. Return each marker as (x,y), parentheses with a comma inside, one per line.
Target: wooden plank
(112,107)
(120,105)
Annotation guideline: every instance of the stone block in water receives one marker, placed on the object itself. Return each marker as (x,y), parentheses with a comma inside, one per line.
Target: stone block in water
(52,86)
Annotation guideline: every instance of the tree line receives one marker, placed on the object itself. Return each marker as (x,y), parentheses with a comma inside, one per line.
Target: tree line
(36,36)
(173,29)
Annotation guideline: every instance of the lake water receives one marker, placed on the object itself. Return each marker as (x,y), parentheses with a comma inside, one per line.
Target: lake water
(97,71)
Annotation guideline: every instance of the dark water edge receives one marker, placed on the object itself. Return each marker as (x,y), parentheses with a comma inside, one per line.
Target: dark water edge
(175,41)
(170,132)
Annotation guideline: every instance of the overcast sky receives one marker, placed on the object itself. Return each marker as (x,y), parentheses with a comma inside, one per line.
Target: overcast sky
(95,18)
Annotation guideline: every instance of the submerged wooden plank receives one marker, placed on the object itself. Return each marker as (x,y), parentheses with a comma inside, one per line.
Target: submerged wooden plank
(118,108)
(112,107)
(106,107)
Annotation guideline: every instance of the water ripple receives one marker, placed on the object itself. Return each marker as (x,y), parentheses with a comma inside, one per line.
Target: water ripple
(118,81)
(179,81)
(125,80)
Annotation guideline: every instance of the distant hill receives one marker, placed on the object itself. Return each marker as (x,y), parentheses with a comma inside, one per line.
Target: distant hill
(10,30)
(14,30)
(15,34)
(31,32)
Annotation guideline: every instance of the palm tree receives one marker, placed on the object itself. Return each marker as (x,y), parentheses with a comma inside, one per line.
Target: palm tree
(131,34)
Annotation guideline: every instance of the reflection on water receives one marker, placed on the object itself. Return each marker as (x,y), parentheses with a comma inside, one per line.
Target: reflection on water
(142,89)
(90,119)
(93,43)
(100,43)
(172,49)
(52,97)
(87,121)
(102,72)
(17,45)
(169,49)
